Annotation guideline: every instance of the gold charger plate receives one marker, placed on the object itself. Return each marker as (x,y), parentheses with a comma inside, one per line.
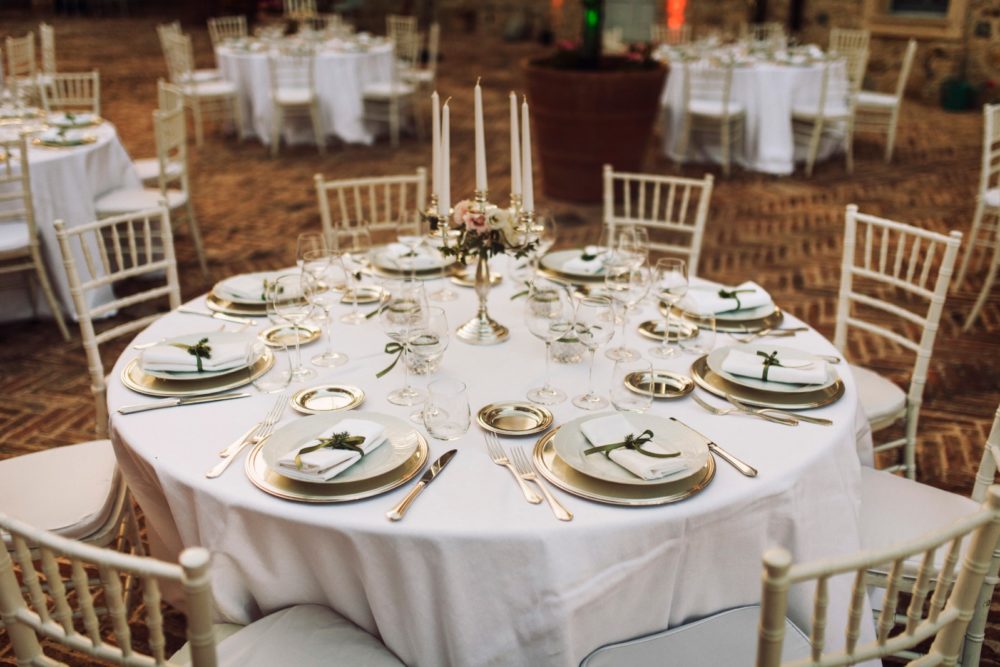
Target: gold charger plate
(732,325)
(664,384)
(82,141)
(283,335)
(514,418)
(327,398)
(219,305)
(549,266)
(556,471)
(363,294)
(93,122)
(135,379)
(718,385)
(270,482)
(653,329)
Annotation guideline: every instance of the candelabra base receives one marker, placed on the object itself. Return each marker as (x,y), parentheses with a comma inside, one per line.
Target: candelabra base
(482,330)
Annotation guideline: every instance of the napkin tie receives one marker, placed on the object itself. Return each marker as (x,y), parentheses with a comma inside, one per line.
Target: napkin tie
(769,360)
(392,348)
(633,442)
(200,350)
(336,441)
(733,294)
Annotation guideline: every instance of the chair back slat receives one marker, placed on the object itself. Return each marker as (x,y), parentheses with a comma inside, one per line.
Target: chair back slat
(224,28)
(300,9)
(887,616)
(769,35)
(989,176)
(151,599)
(945,577)
(47,37)
(169,97)
(73,92)
(85,600)
(381,202)
(855,612)
(990,461)
(15,181)
(21,56)
(111,580)
(676,226)
(663,34)
(914,611)
(61,612)
(30,577)
(817,637)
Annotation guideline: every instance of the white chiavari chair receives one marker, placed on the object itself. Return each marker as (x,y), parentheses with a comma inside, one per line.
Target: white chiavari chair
(22,70)
(424,77)
(47,38)
(19,246)
(986,221)
(224,28)
(893,283)
(181,66)
(379,201)
(853,45)
(170,98)
(895,509)
(300,9)
(831,113)
(73,92)
(164,30)
(708,108)
(662,34)
(729,638)
(673,210)
(173,184)
(293,92)
(203,98)
(879,112)
(398,26)
(769,35)
(388,101)
(303,635)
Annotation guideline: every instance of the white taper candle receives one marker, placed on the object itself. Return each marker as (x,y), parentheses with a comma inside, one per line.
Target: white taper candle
(435,144)
(527,178)
(515,148)
(480,140)
(444,194)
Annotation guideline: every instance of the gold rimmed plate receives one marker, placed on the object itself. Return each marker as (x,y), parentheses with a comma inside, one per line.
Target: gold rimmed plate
(79,120)
(66,143)
(219,305)
(135,379)
(552,265)
(327,398)
(283,335)
(364,294)
(680,329)
(714,383)
(765,317)
(717,358)
(660,383)
(514,418)
(216,337)
(556,471)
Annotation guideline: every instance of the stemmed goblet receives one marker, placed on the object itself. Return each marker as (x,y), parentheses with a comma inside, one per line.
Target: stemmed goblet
(323,282)
(404,314)
(594,325)
(548,313)
(671,284)
(289,304)
(627,286)
(354,244)
(309,242)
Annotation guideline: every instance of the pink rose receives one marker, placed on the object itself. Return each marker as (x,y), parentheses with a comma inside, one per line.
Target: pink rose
(476,222)
(459,211)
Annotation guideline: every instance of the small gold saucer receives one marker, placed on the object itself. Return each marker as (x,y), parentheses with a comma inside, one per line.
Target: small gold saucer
(327,398)
(662,384)
(514,418)
(283,335)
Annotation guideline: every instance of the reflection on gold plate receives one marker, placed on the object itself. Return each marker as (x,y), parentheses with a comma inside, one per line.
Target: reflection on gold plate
(327,398)
(731,324)
(280,486)
(514,418)
(219,305)
(556,471)
(283,335)
(363,294)
(663,384)
(718,385)
(82,141)
(653,329)
(135,379)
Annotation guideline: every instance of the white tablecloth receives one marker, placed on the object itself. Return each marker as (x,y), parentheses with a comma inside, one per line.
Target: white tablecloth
(339,78)
(65,182)
(474,575)
(767,91)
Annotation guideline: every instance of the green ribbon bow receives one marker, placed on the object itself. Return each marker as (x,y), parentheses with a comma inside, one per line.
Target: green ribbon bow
(633,442)
(769,360)
(200,350)
(392,348)
(336,441)
(268,284)
(733,294)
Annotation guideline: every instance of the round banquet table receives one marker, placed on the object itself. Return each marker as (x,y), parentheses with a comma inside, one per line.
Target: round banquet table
(340,75)
(767,91)
(474,575)
(65,183)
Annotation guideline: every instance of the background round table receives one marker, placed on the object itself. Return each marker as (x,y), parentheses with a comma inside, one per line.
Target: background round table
(474,575)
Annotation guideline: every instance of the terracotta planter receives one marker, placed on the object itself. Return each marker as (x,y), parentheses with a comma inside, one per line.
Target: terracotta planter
(585,119)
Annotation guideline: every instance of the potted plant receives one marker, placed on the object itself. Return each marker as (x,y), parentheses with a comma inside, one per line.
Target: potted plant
(590,109)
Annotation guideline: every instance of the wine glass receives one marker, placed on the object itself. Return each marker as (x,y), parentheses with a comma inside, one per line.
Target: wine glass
(594,326)
(354,244)
(671,283)
(632,385)
(627,286)
(428,343)
(632,245)
(404,314)
(285,294)
(323,283)
(309,242)
(548,314)
(544,231)
(278,378)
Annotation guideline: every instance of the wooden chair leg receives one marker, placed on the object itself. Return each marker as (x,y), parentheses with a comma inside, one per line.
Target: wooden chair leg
(199,130)
(971,239)
(50,296)
(890,140)
(277,119)
(986,289)
(394,123)
(849,138)
(317,121)
(817,134)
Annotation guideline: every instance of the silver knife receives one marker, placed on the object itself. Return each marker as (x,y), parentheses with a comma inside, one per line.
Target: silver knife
(745,469)
(822,421)
(173,402)
(218,316)
(397,512)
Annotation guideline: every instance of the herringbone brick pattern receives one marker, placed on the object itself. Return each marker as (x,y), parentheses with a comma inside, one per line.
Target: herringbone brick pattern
(786,233)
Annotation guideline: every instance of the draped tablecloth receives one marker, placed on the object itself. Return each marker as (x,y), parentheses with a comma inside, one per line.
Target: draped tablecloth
(474,575)
(65,182)
(767,91)
(339,78)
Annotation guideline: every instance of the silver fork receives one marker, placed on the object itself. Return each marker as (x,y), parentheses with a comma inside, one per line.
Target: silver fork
(525,471)
(787,421)
(261,432)
(498,456)
(774,332)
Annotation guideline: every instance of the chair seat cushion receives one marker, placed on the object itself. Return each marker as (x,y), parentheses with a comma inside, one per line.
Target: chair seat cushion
(992,197)
(883,400)
(210,88)
(715,108)
(68,490)
(385,90)
(895,509)
(294,96)
(728,638)
(304,636)
(148,169)
(126,200)
(868,98)
(417,76)
(14,235)
(202,76)
(832,110)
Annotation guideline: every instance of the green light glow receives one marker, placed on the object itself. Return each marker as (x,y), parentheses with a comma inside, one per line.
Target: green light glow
(591,18)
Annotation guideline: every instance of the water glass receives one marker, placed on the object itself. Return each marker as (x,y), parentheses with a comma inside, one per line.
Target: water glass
(670,285)
(289,305)
(323,283)
(594,325)
(278,377)
(548,315)
(308,242)
(404,314)
(446,413)
(627,285)
(704,341)
(624,396)
(428,343)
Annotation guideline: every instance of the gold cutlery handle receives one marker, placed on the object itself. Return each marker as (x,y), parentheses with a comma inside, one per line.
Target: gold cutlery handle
(397,512)
(239,442)
(221,466)
(745,469)
(561,512)
(795,415)
(529,495)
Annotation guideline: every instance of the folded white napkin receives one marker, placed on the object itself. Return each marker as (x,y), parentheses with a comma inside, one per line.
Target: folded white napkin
(226,352)
(65,136)
(61,118)
(425,258)
(613,428)
(706,300)
(751,364)
(324,464)
(593,265)
(250,286)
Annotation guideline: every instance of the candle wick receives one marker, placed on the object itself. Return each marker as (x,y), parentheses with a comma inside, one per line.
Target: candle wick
(447,100)
(478,79)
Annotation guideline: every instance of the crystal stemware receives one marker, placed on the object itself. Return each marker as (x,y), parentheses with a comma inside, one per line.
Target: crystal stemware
(289,304)
(309,242)
(324,280)
(404,314)
(670,285)
(593,324)
(354,244)
(627,286)
(548,315)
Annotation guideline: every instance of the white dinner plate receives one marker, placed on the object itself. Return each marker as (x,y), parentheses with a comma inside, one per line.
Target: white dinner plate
(718,356)
(382,260)
(556,261)
(569,443)
(219,289)
(401,442)
(191,339)
(733,315)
